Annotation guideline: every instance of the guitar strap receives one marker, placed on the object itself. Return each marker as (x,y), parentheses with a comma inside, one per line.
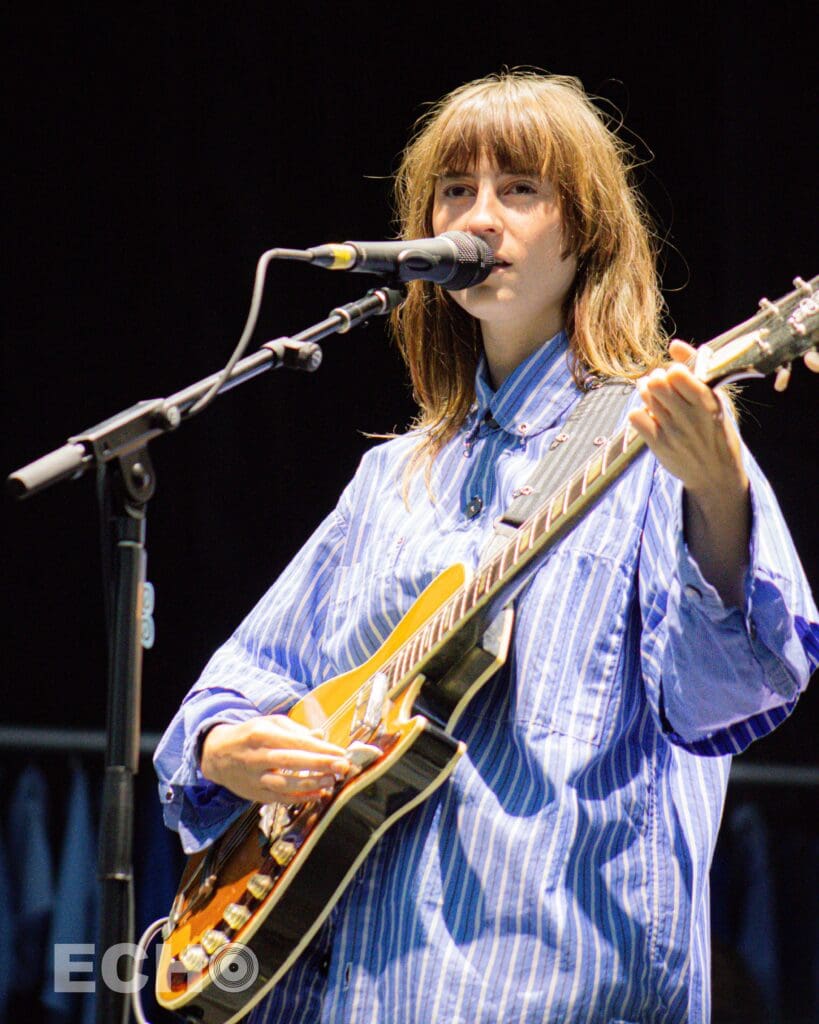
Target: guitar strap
(590,424)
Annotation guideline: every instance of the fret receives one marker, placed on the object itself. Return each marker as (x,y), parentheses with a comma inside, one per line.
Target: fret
(625,442)
(507,558)
(540,523)
(394,668)
(584,482)
(593,471)
(415,648)
(405,660)
(574,489)
(424,644)
(605,457)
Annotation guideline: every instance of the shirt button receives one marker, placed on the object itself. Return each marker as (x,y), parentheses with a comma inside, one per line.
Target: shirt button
(692,592)
(474,507)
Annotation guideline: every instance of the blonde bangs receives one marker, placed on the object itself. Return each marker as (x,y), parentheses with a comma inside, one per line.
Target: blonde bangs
(512,133)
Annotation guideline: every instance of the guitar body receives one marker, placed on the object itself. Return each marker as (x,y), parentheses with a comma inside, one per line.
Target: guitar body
(223,922)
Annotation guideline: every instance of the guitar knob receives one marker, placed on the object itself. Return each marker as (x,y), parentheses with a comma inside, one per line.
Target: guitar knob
(283,851)
(259,886)
(194,958)
(213,939)
(236,915)
(783,377)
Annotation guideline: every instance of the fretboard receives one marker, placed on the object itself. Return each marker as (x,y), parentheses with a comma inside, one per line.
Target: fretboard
(496,580)
(753,348)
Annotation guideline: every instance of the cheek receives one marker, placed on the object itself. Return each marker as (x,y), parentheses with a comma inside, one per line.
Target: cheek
(439,220)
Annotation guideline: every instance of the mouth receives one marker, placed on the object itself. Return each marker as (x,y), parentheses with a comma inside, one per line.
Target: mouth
(500,264)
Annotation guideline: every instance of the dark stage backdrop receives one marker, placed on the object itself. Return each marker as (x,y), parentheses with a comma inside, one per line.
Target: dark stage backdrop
(151,158)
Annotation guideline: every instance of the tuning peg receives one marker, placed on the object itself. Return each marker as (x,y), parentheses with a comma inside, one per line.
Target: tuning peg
(783,377)
(811,360)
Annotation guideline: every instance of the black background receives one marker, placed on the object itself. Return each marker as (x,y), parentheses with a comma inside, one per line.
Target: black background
(155,154)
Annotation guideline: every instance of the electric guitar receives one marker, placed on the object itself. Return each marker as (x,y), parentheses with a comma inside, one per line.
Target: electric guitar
(248,906)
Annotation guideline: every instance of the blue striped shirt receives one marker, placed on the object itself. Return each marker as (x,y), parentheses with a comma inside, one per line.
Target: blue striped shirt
(561,873)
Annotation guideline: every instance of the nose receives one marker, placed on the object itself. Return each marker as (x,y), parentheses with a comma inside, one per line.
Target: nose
(484,214)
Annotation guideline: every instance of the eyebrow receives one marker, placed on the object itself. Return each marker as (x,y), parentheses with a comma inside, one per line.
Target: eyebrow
(450,173)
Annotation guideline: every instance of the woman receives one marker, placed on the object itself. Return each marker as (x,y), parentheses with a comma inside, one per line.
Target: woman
(561,873)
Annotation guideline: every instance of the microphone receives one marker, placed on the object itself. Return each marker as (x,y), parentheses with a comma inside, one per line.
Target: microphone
(454,259)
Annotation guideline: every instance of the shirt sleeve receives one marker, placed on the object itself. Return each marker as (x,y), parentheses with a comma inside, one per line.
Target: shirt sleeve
(271,661)
(720,677)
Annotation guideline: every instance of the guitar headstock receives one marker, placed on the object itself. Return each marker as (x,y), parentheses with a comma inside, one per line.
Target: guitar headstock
(781,332)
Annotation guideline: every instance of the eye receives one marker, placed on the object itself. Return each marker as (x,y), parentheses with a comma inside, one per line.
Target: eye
(523,188)
(456,191)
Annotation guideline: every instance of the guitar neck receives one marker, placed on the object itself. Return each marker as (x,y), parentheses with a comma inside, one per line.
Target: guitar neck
(501,577)
(776,334)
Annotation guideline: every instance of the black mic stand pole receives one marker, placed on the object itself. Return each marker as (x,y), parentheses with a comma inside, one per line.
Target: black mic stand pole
(118,447)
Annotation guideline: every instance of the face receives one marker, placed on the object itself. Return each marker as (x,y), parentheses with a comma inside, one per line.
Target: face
(521,302)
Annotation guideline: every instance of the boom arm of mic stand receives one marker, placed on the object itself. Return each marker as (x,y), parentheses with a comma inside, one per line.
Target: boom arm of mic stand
(131,429)
(121,443)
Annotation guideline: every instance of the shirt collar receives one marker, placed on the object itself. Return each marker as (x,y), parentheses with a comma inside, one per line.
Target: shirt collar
(534,396)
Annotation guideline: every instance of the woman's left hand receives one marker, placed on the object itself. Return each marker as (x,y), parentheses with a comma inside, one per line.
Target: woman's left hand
(687,427)
(684,423)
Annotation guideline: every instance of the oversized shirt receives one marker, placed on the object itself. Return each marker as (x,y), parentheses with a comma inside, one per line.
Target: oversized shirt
(561,872)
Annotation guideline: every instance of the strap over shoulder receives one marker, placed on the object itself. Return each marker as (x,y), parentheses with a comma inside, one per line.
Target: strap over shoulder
(590,424)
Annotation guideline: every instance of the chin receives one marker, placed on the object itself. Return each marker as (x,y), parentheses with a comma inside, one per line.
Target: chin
(487,304)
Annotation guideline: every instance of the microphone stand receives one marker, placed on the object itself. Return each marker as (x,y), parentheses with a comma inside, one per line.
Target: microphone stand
(118,448)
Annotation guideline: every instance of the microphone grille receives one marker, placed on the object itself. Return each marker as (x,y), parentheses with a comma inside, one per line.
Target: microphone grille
(474,262)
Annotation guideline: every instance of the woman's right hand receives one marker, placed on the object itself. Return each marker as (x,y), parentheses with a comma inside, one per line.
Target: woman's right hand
(272,758)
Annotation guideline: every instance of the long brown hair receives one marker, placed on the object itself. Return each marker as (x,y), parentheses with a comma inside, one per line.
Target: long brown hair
(541,124)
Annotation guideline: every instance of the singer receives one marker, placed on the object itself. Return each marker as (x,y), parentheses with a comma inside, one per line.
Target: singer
(560,873)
